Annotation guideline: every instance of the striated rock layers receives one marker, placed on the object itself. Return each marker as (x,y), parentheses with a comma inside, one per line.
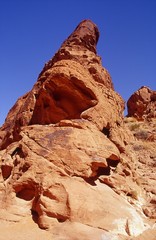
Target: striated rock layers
(64,158)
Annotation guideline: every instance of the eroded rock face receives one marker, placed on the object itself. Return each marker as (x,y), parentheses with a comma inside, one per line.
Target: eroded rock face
(72,85)
(63,147)
(53,173)
(142,104)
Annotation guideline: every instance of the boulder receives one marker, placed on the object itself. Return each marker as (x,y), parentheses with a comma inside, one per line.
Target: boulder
(142,103)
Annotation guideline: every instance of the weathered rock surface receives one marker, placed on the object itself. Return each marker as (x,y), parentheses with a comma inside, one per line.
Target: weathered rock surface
(142,103)
(142,150)
(142,106)
(68,89)
(65,152)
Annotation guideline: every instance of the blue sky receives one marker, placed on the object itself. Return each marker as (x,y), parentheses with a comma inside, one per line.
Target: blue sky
(33,30)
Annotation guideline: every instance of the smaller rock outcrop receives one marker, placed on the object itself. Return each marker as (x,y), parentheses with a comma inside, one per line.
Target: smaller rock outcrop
(142,108)
(142,104)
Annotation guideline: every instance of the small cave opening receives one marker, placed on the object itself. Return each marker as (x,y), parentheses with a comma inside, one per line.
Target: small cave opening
(103,171)
(91,180)
(100,171)
(35,216)
(61,220)
(6,171)
(17,150)
(27,193)
(106,131)
(112,163)
(129,194)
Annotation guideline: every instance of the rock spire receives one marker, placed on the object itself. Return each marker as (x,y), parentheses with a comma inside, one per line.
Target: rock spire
(65,161)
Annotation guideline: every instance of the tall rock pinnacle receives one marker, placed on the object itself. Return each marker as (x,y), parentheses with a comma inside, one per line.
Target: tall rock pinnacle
(85,35)
(73,84)
(80,46)
(63,149)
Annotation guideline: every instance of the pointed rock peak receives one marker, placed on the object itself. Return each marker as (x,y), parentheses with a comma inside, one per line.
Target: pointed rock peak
(80,47)
(72,85)
(86,34)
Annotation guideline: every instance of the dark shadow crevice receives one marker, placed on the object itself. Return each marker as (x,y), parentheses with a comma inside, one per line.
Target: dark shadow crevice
(103,171)
(35,216)
(26,193)
(6,171)
(106,131)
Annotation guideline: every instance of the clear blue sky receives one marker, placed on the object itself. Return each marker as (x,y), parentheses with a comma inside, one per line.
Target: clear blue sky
(31,31)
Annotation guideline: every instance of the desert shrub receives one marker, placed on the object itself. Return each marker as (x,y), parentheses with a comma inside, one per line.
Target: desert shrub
(130,120)
(134,126)
(142,134)
(138,147)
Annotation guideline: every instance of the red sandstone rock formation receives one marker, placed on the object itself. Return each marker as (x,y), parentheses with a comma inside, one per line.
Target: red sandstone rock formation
(64,150)
(142,104)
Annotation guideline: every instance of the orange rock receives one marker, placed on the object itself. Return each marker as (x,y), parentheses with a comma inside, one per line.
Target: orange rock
(142,104)
(60,139)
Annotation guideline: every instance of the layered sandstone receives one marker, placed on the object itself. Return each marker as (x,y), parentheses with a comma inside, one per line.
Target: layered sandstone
(66,152)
